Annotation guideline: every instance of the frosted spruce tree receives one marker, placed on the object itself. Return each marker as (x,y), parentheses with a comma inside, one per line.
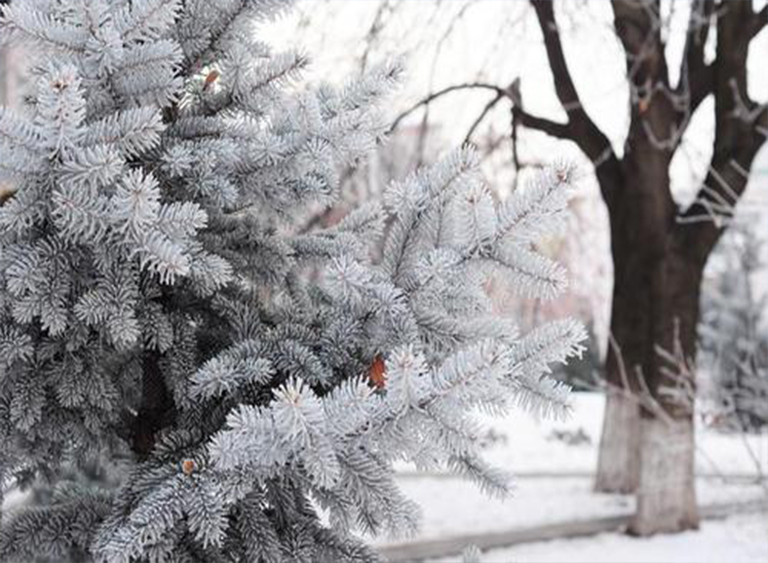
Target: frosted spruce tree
(250,386)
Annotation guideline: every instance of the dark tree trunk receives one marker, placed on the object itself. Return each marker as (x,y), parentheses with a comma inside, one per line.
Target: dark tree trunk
(619,455)
(641,222)
(156,409)
(666,496)
(655,304)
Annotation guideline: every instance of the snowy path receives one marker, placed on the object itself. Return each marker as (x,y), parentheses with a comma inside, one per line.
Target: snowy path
(739,539)
(451,547)
(455,507)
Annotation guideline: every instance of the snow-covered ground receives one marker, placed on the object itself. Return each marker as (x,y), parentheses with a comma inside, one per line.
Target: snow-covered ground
(554,485)
(453,507)
(737,539)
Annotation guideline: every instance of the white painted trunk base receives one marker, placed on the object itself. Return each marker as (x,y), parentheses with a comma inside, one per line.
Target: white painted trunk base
(666,496)
(618,465)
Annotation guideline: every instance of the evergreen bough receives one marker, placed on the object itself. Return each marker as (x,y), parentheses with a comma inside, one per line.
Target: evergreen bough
(249,385)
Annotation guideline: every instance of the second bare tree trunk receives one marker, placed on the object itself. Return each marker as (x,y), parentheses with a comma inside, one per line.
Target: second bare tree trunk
(666,497)
(618,468)
(647,444)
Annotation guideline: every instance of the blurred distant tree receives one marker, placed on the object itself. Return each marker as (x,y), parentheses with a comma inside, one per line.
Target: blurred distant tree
(734,346)
(659,247)
(2,62)
(3,96)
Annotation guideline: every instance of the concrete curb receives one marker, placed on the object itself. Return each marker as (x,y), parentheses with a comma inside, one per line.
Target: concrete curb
(744,476)
(428,549)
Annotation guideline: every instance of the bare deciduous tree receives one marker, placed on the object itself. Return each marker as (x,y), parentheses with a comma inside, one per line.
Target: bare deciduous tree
(660,250)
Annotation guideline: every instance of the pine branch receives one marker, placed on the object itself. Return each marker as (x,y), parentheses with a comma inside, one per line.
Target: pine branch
(157,301)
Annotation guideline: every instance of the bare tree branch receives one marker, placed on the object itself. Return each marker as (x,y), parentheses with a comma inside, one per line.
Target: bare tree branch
(760,21)
(564,87)
(486,110)
(384,10)
(580,127)
(638,26)
(696,77)
(447,90)
(558,130)
(740,130)
(553,128)
(707,217)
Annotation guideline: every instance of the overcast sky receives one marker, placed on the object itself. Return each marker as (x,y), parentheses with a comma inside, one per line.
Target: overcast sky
(453,42)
